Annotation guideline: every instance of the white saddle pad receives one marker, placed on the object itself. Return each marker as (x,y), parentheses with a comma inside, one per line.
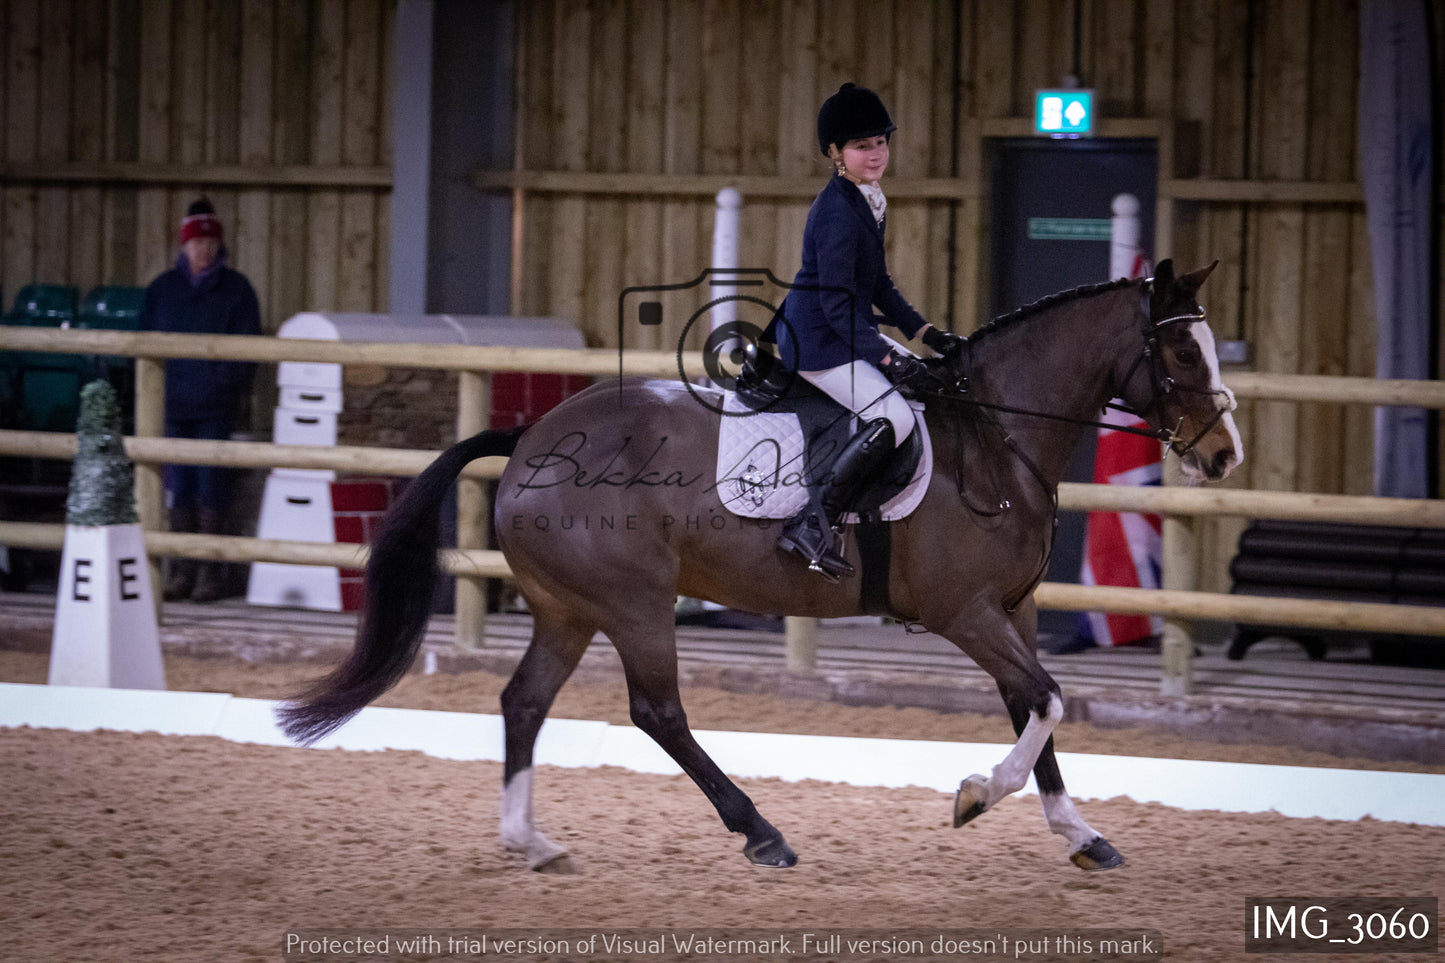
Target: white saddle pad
(760,462)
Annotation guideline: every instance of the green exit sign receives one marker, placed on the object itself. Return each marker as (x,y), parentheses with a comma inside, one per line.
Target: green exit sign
(1064,113)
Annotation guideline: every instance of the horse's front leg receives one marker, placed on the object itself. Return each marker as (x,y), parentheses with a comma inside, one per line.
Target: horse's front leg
(1088,849)
(1005,645)
(978,794)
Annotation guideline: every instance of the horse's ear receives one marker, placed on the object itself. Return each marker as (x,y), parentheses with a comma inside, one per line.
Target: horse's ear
(1163,283)
(1194,280)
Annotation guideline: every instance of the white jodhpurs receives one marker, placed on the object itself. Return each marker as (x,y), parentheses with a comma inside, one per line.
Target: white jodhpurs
(862,389)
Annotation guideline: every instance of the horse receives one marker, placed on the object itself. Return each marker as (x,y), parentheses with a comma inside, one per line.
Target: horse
(621,461)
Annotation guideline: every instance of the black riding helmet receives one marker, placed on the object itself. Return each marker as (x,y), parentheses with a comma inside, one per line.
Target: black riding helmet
(851,113)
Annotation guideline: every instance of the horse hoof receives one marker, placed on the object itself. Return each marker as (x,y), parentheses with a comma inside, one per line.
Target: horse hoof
(559,864)
(969,802)
(1099,854)
(771,852)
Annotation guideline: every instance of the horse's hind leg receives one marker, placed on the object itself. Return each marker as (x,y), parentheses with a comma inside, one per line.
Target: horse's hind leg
(558,642)
(649,658)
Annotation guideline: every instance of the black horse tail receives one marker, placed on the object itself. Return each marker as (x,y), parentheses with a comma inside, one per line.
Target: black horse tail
(401,579)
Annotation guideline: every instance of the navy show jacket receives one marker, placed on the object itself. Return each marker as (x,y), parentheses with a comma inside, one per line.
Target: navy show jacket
(828,314)
(223,303)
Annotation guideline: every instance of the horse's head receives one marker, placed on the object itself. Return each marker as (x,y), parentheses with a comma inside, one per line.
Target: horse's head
(1176,384)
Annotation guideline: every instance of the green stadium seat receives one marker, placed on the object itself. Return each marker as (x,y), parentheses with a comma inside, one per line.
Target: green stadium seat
(44,305)
(114,308)
(111,307)
(42,389)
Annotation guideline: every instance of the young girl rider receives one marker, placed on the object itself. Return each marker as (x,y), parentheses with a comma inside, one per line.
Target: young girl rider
(829,334)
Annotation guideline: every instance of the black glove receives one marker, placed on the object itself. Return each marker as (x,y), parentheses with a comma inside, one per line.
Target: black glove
(907,372)
(946,343)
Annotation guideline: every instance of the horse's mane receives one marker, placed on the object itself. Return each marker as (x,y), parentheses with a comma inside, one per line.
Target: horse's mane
(1044,303)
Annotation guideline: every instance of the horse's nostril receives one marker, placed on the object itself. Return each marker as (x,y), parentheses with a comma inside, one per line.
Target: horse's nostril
(1223,460)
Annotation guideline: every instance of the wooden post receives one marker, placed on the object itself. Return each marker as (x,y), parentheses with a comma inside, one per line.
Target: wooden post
(150,489)
(1177,644)
(802,643)
(474,401)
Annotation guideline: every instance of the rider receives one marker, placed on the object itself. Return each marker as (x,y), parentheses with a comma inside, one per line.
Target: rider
(830,335)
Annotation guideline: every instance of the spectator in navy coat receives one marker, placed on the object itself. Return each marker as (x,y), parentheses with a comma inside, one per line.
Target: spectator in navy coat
(201,295)
(829,333)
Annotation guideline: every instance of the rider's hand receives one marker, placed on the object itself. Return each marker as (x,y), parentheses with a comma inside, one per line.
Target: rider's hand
(946,343)
(907,372)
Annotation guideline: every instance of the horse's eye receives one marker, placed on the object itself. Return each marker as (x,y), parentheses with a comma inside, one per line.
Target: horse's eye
(1189,357)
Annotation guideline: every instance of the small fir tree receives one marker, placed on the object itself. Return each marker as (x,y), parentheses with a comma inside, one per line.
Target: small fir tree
(102,479)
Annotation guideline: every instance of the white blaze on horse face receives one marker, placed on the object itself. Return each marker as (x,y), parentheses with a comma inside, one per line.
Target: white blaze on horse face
(1221,450)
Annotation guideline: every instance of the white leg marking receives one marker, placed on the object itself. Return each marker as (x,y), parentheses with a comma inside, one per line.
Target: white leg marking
(1010,775)
(1065,820)
(519,834)
(516,812)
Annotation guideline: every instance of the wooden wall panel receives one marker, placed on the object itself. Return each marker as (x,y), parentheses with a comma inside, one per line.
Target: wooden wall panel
(52,249)
(605,149)
(798,87)
(535,151)
(179,86)
(569,84)
(682,255)
(721,86)
(1359,441)
(327,101)
(22,106)
(641,235)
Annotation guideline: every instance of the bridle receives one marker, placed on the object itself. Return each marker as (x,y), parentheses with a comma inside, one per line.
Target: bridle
(1162,386)
(955,372)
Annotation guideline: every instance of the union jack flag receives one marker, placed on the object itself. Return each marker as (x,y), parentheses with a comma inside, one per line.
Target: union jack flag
(1123,548)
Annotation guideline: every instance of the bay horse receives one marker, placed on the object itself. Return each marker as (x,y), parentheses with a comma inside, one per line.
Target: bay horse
(629,464)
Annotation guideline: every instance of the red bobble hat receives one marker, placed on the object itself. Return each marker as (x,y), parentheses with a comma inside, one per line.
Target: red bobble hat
(200,221)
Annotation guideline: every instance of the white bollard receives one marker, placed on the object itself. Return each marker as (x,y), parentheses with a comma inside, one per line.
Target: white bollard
(725,254)
(1124,250)
(105,614)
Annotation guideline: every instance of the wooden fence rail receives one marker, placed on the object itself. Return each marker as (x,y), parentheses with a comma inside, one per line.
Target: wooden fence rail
(603,362)
(1307,613)
(358,460)
(472,564)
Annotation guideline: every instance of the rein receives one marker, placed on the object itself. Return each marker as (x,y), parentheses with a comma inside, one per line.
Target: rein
(1162,386)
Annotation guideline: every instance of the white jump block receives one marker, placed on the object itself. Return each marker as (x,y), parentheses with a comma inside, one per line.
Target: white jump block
(296,508)
(105,615)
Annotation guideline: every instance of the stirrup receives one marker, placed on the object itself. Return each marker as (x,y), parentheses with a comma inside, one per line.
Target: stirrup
(831,567)
(807,537)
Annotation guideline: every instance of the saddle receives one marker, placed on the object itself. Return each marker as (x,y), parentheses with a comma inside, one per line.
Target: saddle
(765,470)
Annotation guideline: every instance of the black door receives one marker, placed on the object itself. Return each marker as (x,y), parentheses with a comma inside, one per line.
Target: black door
(1051,205)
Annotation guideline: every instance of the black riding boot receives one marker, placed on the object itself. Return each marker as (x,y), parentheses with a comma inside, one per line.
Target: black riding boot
(810,532)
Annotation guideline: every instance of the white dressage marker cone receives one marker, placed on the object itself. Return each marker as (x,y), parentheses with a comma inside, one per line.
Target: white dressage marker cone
(105,619)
